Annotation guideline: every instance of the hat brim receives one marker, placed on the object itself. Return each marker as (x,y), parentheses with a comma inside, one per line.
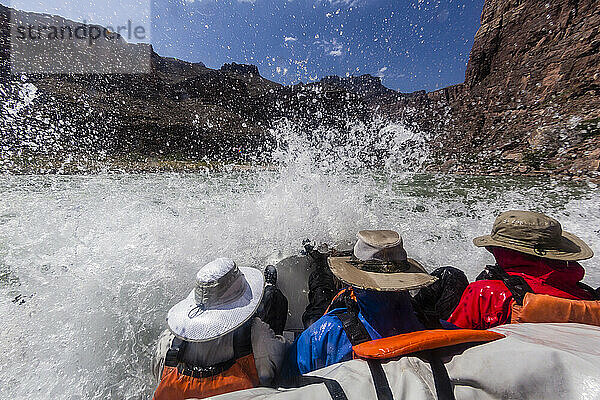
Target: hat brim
(571,248)
(220,320)
(414,278)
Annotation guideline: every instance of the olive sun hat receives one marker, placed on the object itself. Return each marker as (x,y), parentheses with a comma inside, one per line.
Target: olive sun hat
(535,234)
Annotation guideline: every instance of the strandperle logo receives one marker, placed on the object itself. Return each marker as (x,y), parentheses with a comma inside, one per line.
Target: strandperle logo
(81,31)
(70,37)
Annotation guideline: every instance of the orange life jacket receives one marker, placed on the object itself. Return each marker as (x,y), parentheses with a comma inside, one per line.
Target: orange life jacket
(407,343)
(177,385)
(180,381)
(546,308)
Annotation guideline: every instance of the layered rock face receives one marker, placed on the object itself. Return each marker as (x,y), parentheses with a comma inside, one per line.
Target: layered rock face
(178,110)
(530,102)
(531,96)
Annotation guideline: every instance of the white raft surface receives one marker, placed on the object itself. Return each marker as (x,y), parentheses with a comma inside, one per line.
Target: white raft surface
(533,361)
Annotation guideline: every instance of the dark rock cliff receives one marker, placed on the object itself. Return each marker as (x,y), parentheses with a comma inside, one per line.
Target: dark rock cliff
(177,110)
(530,102)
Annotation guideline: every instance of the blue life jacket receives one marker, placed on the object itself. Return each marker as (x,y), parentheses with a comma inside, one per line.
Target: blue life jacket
(383,314)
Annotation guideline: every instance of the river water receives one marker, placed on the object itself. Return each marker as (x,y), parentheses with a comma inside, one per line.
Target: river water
(90,264)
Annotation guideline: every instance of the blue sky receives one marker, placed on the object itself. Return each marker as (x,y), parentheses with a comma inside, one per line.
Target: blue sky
(411,44)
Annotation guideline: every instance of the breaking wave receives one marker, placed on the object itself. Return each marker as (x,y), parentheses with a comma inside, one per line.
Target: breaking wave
(90,264)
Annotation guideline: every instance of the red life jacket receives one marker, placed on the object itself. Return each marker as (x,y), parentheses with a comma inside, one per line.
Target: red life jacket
(487,303)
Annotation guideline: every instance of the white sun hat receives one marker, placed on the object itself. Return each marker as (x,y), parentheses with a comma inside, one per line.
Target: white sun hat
(224,298)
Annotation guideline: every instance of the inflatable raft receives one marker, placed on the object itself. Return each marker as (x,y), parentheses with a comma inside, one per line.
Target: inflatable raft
(532,361)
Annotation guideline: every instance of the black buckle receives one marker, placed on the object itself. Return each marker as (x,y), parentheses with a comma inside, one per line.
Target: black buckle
(206,372)
(172,356)
(171,359)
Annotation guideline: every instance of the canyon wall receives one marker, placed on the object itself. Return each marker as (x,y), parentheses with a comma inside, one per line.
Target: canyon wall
(531,97)
(530,102)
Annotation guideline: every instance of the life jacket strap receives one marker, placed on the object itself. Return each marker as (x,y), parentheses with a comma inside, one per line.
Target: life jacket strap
(593,292)
(354,329)
(357,334)
(242,340)
(173,358)
(242,346)
(382,386)
(441,379)
(517,285)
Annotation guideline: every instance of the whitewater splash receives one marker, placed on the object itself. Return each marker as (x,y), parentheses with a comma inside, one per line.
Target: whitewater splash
(89,265)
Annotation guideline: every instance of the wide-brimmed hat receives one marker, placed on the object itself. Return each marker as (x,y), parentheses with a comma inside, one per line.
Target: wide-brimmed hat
(224,298)
(536,234)
(380,263)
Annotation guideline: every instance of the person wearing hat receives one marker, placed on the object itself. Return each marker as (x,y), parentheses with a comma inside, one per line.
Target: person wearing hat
(533,254)
(376,304)
(213,344)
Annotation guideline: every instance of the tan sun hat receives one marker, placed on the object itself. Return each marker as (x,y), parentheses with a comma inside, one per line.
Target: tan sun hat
(380,263)
(536,234)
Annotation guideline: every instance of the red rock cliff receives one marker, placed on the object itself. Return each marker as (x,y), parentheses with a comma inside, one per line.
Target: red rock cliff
(531,97)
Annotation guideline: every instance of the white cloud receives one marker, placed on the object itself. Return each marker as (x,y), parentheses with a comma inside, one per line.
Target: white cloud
(381,72)
(289,39)
(331,47)
(200,1)
(343,3)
